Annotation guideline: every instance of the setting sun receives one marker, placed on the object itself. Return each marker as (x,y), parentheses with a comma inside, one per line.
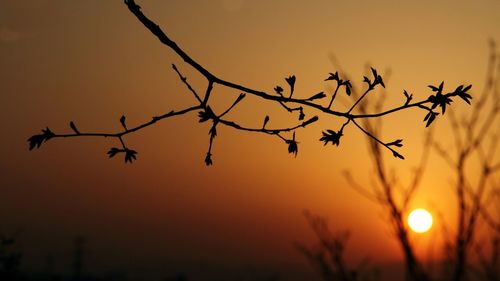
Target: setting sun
(420,220)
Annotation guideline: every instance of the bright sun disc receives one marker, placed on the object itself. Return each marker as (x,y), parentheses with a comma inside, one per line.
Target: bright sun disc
(420,220)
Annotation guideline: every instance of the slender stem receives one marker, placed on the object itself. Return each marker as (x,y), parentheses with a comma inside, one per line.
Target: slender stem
(131,130)
(208,92)
(233,105)
(360,98)
(373,137)
(267,131)
(123,143)
(334,95)
(184,80)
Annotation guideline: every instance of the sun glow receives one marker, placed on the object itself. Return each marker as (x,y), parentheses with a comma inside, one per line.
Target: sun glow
(420,220)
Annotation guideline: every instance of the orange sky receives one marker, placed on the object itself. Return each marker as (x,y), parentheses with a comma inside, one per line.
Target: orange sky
(92,61)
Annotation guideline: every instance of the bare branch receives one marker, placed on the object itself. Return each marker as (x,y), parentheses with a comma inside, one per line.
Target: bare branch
(289,102)
(184,80)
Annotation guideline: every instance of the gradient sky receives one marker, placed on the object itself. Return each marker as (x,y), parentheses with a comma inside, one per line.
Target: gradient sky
(92,61)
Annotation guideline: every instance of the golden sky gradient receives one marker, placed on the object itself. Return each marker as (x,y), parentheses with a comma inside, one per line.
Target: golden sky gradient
(92,61)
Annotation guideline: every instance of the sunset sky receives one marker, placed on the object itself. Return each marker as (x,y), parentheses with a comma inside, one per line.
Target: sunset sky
(92,61)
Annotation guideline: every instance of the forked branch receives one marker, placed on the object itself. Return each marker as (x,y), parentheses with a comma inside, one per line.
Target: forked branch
(289,102)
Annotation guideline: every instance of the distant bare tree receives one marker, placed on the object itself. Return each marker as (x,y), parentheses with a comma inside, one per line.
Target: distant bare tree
(476,139)
(387,191)
(475,144)
(328,256)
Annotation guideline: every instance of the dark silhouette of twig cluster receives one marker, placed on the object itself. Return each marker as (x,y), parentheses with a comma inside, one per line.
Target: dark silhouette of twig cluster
(287,100)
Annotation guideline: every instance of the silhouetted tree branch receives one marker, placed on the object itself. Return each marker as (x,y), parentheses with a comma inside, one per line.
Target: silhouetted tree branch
(289,102)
